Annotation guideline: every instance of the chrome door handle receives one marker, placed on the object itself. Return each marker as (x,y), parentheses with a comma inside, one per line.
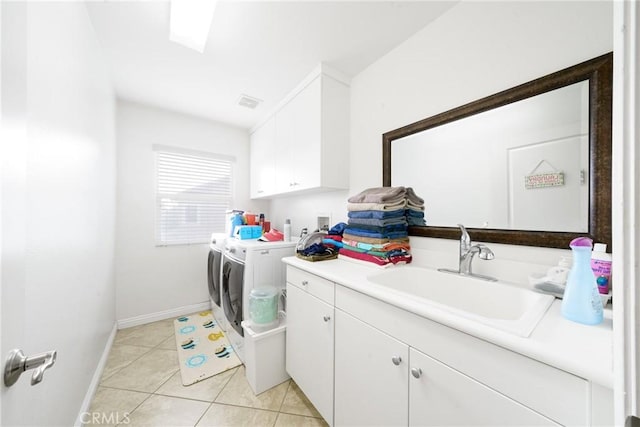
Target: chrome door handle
(416,372)
(396,360)
(17,363)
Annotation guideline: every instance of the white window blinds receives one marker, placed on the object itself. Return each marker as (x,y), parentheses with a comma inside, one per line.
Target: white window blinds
(193,191)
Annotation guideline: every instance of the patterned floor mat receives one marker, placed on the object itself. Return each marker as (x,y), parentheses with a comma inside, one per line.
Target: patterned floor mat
(203,349)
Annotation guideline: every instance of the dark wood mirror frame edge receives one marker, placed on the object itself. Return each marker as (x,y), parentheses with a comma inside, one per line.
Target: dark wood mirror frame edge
(599,72)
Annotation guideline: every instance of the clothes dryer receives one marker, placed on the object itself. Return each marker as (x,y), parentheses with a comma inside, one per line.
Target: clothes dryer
(214,278)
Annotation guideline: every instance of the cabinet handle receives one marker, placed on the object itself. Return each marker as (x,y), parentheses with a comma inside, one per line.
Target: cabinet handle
(305,282)
(264,252)
(416,372)
(326,318)
(260,191)
(396,360)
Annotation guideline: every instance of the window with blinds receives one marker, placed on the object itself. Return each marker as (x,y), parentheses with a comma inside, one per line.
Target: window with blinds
(193,191)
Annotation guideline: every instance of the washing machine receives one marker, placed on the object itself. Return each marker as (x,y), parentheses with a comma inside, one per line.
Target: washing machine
(249,264)
(214,278)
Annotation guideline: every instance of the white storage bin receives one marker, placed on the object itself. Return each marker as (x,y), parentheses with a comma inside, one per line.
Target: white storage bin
(265,357)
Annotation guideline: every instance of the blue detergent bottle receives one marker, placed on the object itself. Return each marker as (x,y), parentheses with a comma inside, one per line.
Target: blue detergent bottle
(581,302)
(235,221)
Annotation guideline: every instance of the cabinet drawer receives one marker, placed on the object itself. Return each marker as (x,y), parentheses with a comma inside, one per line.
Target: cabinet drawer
(316,286)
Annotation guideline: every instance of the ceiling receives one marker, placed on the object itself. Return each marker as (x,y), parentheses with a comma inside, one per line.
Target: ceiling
(258,48)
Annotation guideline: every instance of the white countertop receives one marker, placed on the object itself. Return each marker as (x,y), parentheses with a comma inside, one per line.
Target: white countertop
(585,351)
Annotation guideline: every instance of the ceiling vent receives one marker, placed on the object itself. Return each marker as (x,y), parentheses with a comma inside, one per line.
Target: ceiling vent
(248,101)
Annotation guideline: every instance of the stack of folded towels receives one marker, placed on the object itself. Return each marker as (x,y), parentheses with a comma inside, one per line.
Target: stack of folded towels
(377,228)
(414,210)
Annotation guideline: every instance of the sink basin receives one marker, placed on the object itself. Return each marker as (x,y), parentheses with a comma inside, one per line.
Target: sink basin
(497,304)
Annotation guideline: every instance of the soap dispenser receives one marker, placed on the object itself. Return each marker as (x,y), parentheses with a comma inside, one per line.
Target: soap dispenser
(581,302)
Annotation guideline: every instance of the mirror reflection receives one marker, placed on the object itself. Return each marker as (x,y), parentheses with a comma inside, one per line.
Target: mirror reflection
(530,165)
(521,166)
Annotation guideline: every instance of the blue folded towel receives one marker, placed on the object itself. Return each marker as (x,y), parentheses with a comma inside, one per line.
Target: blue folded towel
(414,213)
(378,222)
(378,235)
(416,221)
(399,213)
(377,228)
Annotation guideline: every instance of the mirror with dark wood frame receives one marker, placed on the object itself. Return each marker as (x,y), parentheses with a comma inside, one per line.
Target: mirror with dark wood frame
(598,73)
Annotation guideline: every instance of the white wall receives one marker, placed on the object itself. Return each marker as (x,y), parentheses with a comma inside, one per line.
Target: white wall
(474,50)
(58,190)
(154,279)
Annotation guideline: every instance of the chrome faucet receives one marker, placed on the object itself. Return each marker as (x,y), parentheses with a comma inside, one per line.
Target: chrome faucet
(467,252)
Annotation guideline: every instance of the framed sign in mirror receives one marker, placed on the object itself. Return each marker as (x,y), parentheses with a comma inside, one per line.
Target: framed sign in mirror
(530,165)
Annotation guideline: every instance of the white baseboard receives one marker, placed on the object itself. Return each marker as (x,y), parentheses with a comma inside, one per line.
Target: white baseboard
(161,315)
(95,381)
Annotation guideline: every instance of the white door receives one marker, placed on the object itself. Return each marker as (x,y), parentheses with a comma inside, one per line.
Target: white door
(1,169)
(57,190)
(371,374)
(626,216)
(13,181)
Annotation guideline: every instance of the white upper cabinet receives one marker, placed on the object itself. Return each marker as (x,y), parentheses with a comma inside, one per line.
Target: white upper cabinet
(298,140)
(309,141)
(263,160)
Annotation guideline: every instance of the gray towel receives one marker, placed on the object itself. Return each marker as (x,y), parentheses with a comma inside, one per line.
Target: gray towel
(387,195)
(415,208)
(413,198)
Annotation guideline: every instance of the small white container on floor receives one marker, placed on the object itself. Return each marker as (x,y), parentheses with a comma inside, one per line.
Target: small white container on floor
(265,356)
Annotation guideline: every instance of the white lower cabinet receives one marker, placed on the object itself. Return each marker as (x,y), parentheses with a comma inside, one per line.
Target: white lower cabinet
(364,362)
(309,354)
(382,381)
(371,383)
(440,396)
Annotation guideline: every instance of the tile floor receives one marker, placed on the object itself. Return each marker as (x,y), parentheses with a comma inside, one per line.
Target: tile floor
(141,385)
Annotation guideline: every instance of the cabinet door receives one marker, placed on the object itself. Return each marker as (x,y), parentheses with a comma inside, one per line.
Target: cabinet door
(440,395)
(371,374)
(284,119)
(307,132)
(309,351)
(298,136)
(262,160)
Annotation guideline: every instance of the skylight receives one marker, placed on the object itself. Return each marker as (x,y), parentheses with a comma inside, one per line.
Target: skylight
(190,22)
